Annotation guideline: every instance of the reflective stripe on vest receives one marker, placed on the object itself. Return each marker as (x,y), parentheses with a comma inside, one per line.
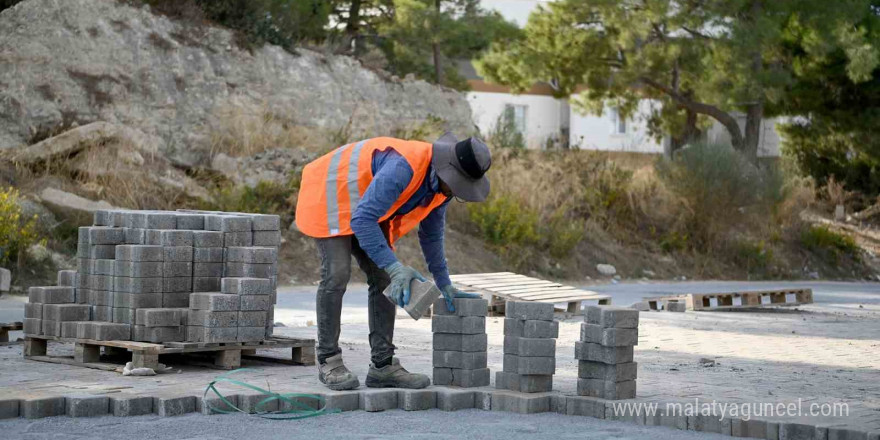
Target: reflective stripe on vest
(332,187)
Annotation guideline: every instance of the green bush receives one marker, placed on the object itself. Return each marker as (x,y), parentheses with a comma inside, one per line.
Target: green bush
(562,234)
(264,198)
(17,234)
(505,222)
(823,240)
(505,134)
(753,256)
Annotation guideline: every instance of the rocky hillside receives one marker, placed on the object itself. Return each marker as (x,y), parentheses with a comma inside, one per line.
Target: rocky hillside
(72,62)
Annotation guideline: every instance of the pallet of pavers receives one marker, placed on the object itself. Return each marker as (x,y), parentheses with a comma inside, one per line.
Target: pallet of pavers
(732,300)
(163,282)
(508,286)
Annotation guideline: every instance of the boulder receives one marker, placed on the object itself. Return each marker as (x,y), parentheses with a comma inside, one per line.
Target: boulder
(74,140)
(78,209)
(606,269)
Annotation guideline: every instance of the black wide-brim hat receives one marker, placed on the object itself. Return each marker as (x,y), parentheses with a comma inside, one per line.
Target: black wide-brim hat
(463,166)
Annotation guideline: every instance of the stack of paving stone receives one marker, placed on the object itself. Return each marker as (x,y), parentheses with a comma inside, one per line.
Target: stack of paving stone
(460,343)
(529,347)
(605,353)
(137,272)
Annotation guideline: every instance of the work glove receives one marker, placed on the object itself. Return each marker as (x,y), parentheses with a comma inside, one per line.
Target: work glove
(401,278)
(450,292)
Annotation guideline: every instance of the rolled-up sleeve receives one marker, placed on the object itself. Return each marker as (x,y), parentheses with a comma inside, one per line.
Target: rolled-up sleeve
(386,187)
(431,240)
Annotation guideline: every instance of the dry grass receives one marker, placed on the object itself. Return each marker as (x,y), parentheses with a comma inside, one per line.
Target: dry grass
(243,132)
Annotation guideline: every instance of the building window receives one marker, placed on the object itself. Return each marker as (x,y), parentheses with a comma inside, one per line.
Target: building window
(618,124)
(517,113)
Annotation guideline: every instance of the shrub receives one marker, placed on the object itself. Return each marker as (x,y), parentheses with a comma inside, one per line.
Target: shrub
(264,198)
(823,240)
(505,133)
(504,221)
(753,256)
(17,234)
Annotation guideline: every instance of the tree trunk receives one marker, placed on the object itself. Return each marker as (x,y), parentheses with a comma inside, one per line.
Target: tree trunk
(754,117)
(438,69)
(353,27)
(689,134)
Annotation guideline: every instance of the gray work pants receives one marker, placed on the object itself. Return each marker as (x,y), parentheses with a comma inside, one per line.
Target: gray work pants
(336,255)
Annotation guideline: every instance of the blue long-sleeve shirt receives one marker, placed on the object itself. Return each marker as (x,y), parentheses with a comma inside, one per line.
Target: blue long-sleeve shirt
(391,176)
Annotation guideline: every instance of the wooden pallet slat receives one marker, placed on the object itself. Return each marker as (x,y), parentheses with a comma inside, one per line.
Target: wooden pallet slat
(522,288)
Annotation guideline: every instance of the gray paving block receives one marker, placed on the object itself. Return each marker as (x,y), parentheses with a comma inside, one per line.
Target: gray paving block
(213,334)
(68,329)
(99,298)
(84,281)
(609,372)
(159,334)
(41,407)
(585,351)
(33,310)
(471,378)
(190,222)
(251,334)
(175,299)
(137,285)
(251,403)
(33,326)
(483,400)
(538,383)
(123,315)
(174,406)
(213,270)
(67,312)
(177,253)
(139,269)
(458,324)
(417,400)
(540,329)
(679,307)
(136,252)
(558,403)
(460,342)
(252,319)
(342,400)
(607,389)
(463,307)
(208,255)
(86,330)
(174,269)
(529,347)
(675,421)
(261,255)
(609,336)
(213,404)
(125,406)
(10,408)
(520,403)
(528,310)
(83,235)
(208,239)
(378,400)
(135,219)
(102,251)
(206,284)
(238,239)
(135,236)
(101,217)
(255,302)
(460,359)
(449,399)
(251,270)
(228,223)
(103,313)
(51,328)
(164,317)
(52,295)
(208,318)
(99,235)
(709,423)
(515,327)
(177,284)
(87,406)
(247,286)
(265,222)
(136,300)
(529,365)
(442,376)
(66,278)
(267,238)
(104,267)
(838,433)
(585,406)
(796,431)
(161,220)
(611,316)
(84,265)
(175,238)
(101,282)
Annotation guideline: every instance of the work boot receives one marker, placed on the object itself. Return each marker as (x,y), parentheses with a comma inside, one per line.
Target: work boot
(332,372)
(395,376)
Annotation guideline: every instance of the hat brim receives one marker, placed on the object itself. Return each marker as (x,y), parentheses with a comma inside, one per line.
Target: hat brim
(445,165)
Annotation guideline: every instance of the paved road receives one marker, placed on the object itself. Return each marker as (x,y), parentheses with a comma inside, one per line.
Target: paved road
(427,425)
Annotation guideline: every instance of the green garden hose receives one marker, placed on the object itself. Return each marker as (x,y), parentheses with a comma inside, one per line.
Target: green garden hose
(297,407)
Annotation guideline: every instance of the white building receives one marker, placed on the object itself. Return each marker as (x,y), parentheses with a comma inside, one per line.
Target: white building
(544,120)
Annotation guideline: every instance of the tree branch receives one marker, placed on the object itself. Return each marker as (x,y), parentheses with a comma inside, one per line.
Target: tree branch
(697,34)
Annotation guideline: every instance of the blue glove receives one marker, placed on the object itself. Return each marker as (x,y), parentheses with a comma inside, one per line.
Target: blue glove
(401,278)
(450,292)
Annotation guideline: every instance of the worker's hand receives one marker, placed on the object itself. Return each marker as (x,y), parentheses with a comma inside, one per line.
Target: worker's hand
(401,278)
(450,292)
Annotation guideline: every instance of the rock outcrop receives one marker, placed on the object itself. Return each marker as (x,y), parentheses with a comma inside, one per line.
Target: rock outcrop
(65,63)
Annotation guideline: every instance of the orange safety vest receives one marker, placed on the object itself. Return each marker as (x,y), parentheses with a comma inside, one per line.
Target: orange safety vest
(333,184)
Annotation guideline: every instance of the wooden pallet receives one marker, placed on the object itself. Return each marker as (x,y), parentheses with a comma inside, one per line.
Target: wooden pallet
(6,327)
(145,354)
(735,300)
(509,286)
